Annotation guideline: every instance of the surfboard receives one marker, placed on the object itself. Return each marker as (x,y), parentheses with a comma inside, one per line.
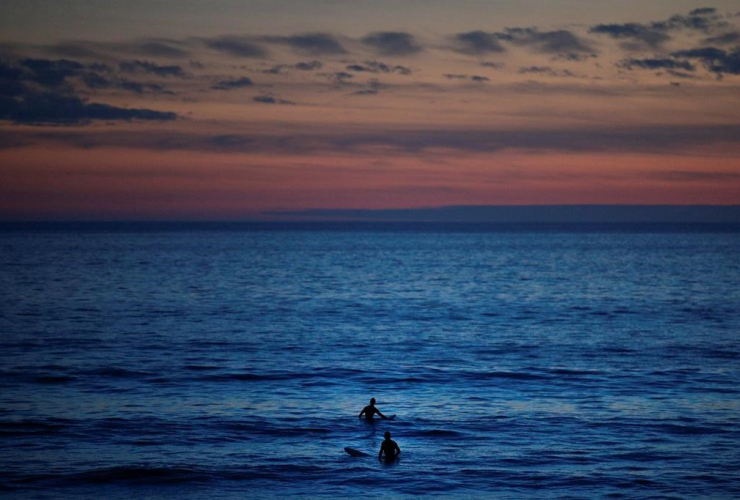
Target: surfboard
(355,453)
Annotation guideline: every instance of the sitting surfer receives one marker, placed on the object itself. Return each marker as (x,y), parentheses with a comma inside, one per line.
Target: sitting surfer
(390,448)
(370,410)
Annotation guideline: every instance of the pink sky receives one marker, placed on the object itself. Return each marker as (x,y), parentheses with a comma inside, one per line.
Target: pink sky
(595,107)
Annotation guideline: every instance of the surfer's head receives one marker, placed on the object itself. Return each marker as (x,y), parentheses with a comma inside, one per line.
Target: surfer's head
(387,435)
(372,401)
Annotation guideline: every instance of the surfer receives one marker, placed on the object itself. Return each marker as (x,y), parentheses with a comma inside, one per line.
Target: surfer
(390,448)
(370,410)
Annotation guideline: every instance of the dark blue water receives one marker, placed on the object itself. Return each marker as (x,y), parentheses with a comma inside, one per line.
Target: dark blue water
(228,363)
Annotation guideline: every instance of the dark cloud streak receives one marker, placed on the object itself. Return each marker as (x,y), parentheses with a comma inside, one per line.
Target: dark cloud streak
(392,43)
(654,35)
(51,73)
(236,46)
(237,83)
(378,67)
(161,48)
(635,139)
(51,108)
(714,59)
(655,64)
(315,44)
(724,39)
(635,32)
(478,43)
(268,99)
(22,101)
(558,42)
(300,66)
(148,67)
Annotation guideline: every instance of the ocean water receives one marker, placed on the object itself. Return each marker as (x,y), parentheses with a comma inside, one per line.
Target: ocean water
(232,361)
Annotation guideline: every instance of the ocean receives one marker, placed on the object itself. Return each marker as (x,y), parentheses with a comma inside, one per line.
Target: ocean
(231,361)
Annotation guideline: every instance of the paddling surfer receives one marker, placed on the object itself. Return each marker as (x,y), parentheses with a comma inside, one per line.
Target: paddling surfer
(370,410)
(389,448)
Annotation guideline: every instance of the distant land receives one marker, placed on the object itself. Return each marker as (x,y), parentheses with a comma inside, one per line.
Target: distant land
(524,214)
(457,217)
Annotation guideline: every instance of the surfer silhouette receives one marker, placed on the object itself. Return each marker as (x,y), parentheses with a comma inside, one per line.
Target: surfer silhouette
(370,410)
(389,448)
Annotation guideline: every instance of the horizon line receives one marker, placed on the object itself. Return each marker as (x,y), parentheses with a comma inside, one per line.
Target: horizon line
(447,214)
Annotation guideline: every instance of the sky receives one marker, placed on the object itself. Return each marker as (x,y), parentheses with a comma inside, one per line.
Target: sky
(235,110)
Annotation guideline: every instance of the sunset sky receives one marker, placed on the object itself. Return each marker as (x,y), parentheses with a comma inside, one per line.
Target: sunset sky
(183,109)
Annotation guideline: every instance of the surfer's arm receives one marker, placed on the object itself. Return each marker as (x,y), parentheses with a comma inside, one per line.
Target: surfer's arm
(380,453)
(361,413)
(380,414)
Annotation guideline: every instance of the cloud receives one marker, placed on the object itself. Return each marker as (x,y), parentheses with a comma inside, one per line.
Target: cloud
(574,57)
(54,75)
(703,19)
(308,66)
(58,109)
(653,64)
(724,39)
(703,11)
(635,32)
(492,64)
(680,74)
(11,80)
(97,81)
(652,139)
(339,77)
(153,47)
(22,102)
(690,176)
(268,99)
(315,44)
(51,73)
(378,67)
(392,43)
(233,84)
(547,42)
(152,68)
(301,66)
(374,86)
(142,88)
(653,35)
(545,70)
(478,43)
(236,46)
(474,78)
(714,59)
(162,48)
(81,49)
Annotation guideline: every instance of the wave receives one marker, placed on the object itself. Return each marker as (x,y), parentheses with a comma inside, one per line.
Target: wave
(327,374)
(54,379)
(688,429)
(165,475)
(116,372)
(140,474)
(32,427)
(435,433)
(200,368)
(245,429)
